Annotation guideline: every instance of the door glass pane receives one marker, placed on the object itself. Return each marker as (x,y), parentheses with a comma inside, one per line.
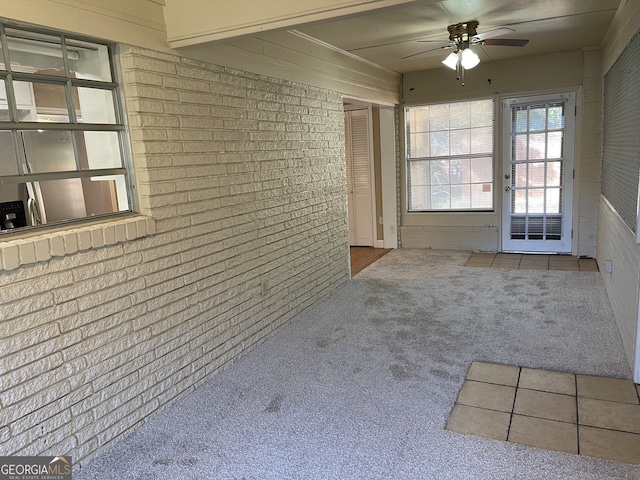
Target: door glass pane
(519,200)
(536,174)
(537,146)
(521,120)
(554,149)
(554,174)
(556,117)
(553,200)
(537,119)
(520,147)
(535,199)
(520,178)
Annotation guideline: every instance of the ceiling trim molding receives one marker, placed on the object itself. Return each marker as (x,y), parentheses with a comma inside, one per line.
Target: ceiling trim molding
(186,19)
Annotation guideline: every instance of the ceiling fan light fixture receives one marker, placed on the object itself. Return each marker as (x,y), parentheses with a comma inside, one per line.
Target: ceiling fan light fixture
(452,60)
(469,59)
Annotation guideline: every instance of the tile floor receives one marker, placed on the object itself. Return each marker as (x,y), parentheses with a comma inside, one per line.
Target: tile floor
(579,414)
(532,262)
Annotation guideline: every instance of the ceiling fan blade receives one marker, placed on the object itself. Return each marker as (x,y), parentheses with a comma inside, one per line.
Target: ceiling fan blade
(506,42)
(496,32)
(426,51)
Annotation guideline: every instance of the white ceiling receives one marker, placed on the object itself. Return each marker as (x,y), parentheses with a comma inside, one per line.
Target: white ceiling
(385,36)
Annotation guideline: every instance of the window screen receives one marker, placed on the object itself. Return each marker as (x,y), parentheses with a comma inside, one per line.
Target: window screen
(450,156)
(621,151)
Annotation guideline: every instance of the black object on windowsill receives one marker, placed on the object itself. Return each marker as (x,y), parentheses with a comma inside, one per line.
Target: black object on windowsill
(12,215)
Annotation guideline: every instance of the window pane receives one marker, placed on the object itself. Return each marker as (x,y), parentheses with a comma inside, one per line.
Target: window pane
(419,172)
(31,52)
(47,102)
(419,145)
(98,150)
(482,196)
(439,172)
(459,116)
(482,140)
(4,104)
(67,199)
(48,151)
(461,196)
(420,197)
(481,114)
(460,142)
(439,117)
(439,144)
(440,197)
(482,170)
(94,105)
(460,170)
(456,134)
(8,164)
(88,61)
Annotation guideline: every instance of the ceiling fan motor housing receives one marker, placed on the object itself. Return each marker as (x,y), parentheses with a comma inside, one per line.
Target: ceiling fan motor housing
(462,32)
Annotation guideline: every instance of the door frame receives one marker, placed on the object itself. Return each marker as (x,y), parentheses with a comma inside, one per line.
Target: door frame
(568,200)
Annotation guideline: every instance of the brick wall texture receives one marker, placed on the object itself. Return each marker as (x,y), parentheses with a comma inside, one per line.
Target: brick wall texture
(245,178)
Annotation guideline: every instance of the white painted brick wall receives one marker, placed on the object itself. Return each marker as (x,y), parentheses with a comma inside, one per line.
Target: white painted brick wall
(617,243)
(100,328)
(589,163)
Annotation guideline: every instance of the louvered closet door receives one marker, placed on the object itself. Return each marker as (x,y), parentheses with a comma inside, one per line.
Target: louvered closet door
(538,173)
(359,182)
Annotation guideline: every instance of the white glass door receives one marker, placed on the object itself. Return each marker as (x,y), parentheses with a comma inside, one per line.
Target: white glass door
(537,182)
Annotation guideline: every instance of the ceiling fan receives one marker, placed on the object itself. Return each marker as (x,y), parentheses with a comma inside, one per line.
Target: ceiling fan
(463,36)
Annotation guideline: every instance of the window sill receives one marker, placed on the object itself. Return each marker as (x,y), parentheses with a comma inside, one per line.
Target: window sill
(43,247)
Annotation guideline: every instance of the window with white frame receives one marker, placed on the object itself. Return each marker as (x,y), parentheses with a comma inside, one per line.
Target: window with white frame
(450,156)
(63,138)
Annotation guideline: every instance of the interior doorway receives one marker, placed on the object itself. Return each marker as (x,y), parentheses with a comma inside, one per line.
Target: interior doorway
(360,176)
